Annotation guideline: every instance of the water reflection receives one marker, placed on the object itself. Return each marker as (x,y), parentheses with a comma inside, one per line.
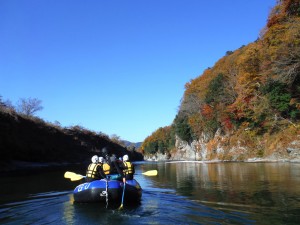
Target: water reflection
(68,211)
(244,187)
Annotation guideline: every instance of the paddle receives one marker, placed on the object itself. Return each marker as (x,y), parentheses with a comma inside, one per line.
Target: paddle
(150,173)
(121,206)
(75,177)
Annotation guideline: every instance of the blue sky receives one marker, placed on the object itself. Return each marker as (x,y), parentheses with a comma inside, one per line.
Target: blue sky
(117,66)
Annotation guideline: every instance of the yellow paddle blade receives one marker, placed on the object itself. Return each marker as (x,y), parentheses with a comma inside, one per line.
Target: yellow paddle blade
(73,176)
(77,177)
(69,174)
(150,173)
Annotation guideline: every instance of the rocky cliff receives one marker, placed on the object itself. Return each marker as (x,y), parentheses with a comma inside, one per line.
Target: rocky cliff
(218,150)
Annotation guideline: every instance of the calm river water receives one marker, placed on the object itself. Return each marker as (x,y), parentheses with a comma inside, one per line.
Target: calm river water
(182,193)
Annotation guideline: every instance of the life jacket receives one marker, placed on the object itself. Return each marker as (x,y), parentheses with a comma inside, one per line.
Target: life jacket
(106,168)
(92,170)
(128,168)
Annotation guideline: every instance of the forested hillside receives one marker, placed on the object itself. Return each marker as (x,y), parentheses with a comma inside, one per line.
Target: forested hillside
(26,138)
(247,104)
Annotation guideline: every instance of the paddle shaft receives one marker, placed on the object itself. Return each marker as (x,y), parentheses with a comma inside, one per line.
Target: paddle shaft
(123,195)
(75,177)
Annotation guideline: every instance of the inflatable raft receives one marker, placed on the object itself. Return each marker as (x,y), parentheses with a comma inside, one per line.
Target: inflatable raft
(108,190)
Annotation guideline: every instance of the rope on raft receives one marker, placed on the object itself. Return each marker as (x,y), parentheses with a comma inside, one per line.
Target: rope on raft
(106,192)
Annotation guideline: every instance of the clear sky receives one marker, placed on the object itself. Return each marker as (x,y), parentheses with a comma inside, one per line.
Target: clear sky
(117,66)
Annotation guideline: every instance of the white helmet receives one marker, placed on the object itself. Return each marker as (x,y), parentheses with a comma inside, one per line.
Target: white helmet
(95,159)
(101,159)
(125,158)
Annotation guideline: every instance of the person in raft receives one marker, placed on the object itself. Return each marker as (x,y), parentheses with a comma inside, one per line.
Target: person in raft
(101,162)
(115,168)
(94,170)
(128,169)
(111,166)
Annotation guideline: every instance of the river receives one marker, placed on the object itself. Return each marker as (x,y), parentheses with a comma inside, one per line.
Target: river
(182,193)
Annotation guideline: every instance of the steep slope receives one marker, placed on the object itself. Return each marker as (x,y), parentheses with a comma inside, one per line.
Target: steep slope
(246,105)
(30,139)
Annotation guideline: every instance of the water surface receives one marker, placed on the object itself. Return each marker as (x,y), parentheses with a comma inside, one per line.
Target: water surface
(182,193)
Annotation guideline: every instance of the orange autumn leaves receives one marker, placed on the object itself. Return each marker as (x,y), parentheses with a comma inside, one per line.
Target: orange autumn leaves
(244,88)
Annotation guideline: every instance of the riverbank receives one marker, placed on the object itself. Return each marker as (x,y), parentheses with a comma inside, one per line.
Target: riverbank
(253,160)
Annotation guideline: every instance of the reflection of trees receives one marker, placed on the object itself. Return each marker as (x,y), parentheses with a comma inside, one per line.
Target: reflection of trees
(187,186)
(263,198)
(248,184)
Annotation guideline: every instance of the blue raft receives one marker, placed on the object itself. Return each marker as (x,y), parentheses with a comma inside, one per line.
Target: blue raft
(108,190)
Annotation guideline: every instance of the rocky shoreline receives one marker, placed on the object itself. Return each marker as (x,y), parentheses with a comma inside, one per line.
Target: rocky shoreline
(159,158)
(202,151)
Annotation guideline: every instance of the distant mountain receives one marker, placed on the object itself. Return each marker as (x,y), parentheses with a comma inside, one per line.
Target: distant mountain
(136,145)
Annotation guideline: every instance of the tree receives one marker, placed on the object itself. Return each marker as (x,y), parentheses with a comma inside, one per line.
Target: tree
(190,104)
(215,90)
(150,147)
(277,94)
(0,99)
(182,128)
(29,106)
(6,104)
(117,139)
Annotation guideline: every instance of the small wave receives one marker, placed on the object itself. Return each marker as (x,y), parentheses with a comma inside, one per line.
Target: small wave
(49,194)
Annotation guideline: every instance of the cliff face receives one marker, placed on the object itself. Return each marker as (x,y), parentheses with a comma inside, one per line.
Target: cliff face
(218,149)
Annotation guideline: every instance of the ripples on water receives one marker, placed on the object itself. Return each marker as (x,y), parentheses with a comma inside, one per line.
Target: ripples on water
(43,208)
(180,194)
(157,207)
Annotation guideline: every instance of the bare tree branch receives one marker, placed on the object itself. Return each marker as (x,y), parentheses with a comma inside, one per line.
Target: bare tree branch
(29,106)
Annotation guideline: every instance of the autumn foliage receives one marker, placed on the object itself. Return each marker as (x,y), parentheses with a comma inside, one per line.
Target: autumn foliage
(254,88)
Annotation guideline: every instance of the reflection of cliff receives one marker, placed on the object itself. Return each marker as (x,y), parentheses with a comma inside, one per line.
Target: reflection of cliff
(260,184)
